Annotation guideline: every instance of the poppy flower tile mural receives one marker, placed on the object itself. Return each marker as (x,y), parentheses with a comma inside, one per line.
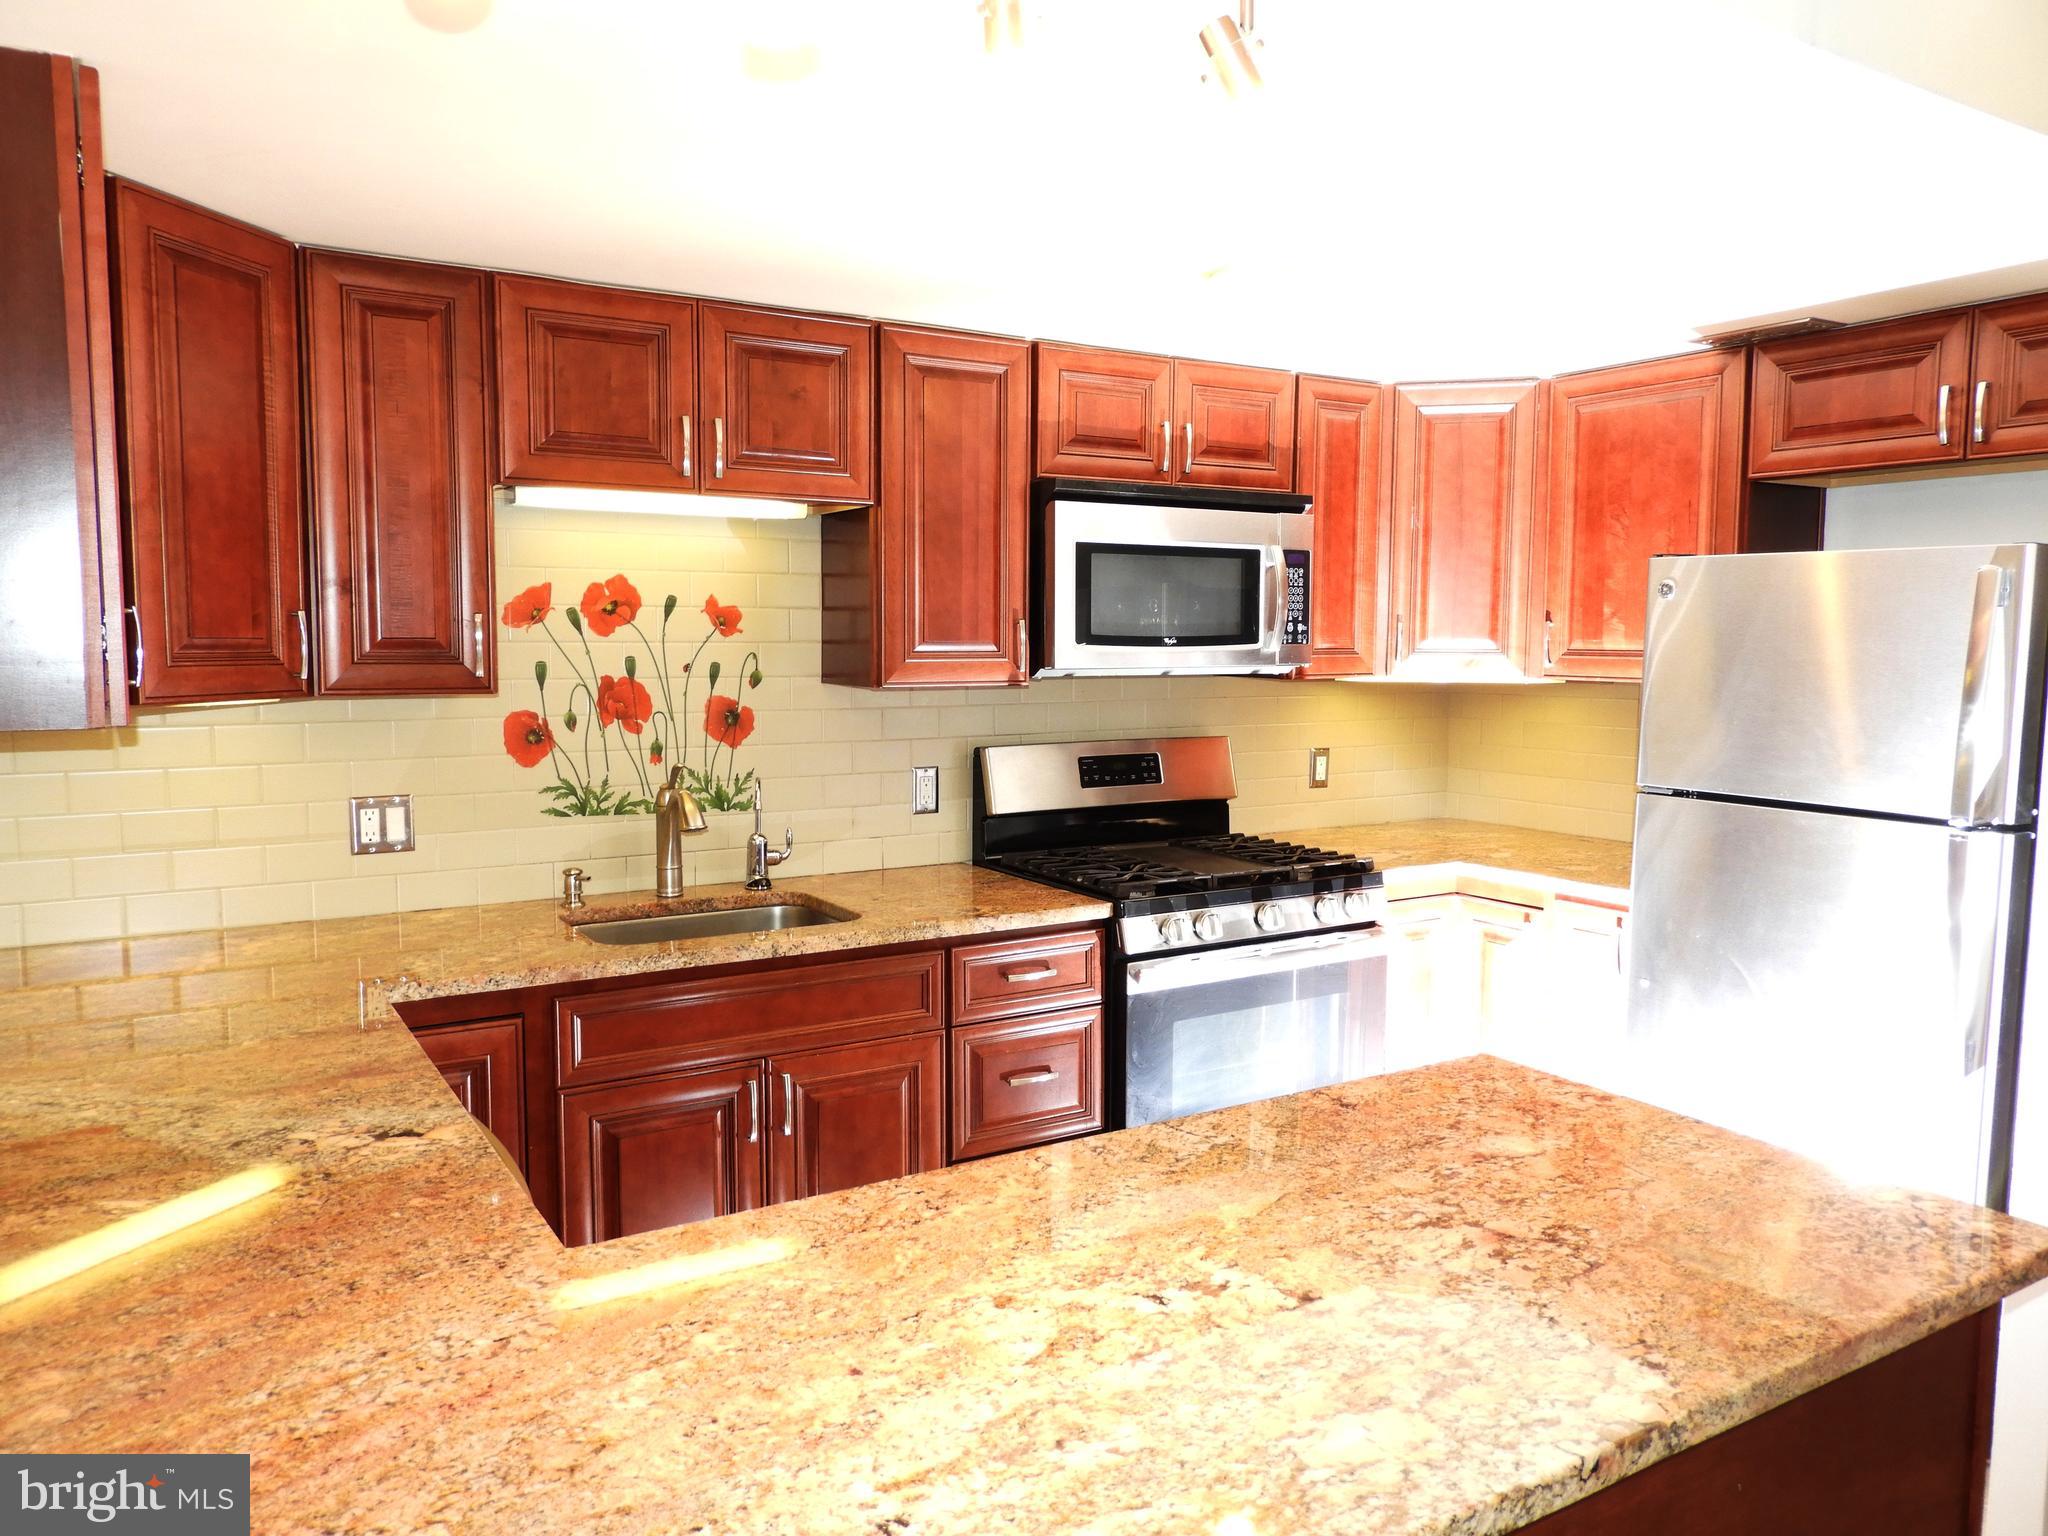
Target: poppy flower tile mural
(611,737)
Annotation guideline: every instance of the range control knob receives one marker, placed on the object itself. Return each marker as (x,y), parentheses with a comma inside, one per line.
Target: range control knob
(1267,916)
(1329,909)
(1357,904)
(1207,928)
(1173,929)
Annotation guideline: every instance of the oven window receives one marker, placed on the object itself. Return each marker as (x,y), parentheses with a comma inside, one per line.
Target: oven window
(1208,1044)
(1154,594)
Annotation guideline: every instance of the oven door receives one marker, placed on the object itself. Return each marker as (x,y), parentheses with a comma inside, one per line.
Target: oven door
(1150,589)
(1230,1026)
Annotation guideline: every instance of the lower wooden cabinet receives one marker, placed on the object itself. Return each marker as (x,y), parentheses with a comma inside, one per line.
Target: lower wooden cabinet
(660,1151)
(1019,1082)
(480,1063)
(855,1115)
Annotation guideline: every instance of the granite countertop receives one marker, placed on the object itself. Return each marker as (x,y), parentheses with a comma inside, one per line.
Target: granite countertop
(1419,855)
(1448,1300)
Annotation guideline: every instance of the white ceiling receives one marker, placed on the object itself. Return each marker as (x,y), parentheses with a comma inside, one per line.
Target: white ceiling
(1435,190)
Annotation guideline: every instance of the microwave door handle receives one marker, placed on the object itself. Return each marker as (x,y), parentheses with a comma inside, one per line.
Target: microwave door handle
(1270,628)
(1217,967)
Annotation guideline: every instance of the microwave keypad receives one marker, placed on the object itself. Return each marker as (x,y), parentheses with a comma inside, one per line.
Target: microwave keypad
(1294,624)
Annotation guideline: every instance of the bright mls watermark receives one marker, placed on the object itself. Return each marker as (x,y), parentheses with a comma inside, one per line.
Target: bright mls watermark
(169,1495)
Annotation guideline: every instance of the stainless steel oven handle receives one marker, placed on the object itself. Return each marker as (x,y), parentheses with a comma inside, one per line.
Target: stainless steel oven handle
(1216,966)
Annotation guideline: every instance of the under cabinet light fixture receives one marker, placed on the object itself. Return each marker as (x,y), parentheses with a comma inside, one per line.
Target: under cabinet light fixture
(590,498)
(1002,24)
(1229,46)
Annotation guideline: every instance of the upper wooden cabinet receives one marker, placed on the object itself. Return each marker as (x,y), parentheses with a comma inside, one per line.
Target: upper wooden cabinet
(1338,459)
(401,497)
(790,400)
(208,343)
(596,386)
(1131,416)
(2009,379)
(1862,397)
(1464,503)
(927,588)
(62,647)
(1643,460)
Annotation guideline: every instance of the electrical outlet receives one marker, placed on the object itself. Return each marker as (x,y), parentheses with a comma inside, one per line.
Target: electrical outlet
(1318,767)
(924,791)
(380,824)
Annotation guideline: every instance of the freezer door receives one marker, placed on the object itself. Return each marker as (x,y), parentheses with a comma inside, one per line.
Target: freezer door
(1902,681)
(1844,986)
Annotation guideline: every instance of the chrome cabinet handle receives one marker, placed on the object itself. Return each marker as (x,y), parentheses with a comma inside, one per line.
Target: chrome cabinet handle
(753,1109)
(1941,413)
(1398,632)
(135,623)
(1036,973)
(686,447)
(1977,411)
(476,630)
(1023,649)
(1025,1075)
(305,646)
(1166,447)
(788,1105)
(718,448)
(1187,458)
(1549,625)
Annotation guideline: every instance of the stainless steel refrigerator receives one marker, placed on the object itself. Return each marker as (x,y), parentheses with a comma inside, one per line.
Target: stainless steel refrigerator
(1835,883)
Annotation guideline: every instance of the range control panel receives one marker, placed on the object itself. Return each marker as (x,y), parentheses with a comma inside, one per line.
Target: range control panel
(1120,769)
(1294,623)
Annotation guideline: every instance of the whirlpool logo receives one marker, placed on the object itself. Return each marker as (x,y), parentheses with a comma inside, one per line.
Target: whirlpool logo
(197,1495)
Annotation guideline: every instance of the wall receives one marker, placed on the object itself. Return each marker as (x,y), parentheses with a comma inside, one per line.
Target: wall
(1997,508)
(237,815)
(1562,758)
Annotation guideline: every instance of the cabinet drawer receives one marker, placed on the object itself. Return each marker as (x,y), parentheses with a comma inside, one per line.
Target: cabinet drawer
(993,981)
(605,1036)
(1025,1081)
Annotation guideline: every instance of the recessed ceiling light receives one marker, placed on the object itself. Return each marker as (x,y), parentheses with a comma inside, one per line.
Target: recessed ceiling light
(449,15)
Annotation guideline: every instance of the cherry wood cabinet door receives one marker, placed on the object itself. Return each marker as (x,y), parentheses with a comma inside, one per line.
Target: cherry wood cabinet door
(480,1063)
(401,490)
(948,573)
(791,404)
(1104,415)
(1234,426)
(596,386)
(855,1115)
(1339,440)
(208,349)
(2009,391)
(1021,1082)
(62,642)
(1861,397)
(660,1151)
(1643,460)
(1464,510)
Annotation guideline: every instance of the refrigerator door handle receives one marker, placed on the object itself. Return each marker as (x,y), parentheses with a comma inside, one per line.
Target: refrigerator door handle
(1974,932)
(1981,725)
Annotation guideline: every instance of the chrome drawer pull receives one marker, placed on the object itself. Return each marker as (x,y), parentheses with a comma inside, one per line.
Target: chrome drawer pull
(1029,1075)
(1037,973)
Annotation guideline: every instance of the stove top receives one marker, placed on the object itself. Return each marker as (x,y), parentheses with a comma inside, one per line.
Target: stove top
(1215,869)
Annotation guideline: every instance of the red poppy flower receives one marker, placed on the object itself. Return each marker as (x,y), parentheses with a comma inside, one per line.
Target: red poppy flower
(725,620)
(727,721)
(625,700)
(609,604)
(654,754)
(527,737)
(530,606)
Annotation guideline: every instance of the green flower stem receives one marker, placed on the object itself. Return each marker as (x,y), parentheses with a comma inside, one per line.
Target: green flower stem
(554,744)
(660,658)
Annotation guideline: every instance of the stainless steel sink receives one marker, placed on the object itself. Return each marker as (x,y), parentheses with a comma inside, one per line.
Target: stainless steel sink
(767,918)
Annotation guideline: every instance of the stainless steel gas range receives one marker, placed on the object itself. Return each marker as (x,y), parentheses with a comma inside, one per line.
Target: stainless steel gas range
(1241,968)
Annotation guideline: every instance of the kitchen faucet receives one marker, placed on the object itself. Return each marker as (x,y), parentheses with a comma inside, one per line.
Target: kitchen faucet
(676,811)
(760,857)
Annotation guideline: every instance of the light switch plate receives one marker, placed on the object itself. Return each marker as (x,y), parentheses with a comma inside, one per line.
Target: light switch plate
(924,791)
(1318,767)
(380,823)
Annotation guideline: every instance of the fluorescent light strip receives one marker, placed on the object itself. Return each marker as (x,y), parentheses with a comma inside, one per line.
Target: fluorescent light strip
(590,498)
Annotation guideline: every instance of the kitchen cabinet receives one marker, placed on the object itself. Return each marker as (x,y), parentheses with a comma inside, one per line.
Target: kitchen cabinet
(1642,460)
(207,340)
(1019,1082)
(855,1114)
(1507,977)
(659,1151)
(63,646)
(1013,976)
(1422,965)
(929,587)
(1464,520)
(596,386)
(1130,416)
(790,399)
(1862,397)
(2009,379)
(401,492)
(1338,459)
(480,1063)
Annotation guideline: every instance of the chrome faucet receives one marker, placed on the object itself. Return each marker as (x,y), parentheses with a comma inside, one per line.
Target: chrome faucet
(676,811)
(760,857)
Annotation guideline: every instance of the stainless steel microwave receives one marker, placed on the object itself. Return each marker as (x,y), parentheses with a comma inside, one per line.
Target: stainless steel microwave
(1145,581)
